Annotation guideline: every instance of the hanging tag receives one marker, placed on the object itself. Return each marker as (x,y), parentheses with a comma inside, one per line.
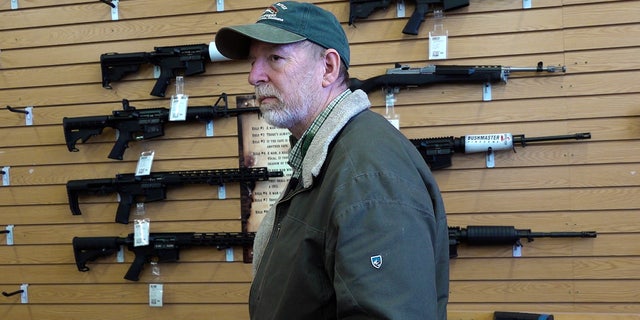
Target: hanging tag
(526,4)
(6,178)
(486,92)
(144,163)
(14,4)
(28,117)
(438,37)
(179,102)
(24,296)
(9,233)
(517,250)
(490,158)
(400,9)
(220,5)
(114,10)
(120,255)
(155,294)
(179,107)
(222,191)
(229,254)
(390,113)
(209,128)
(141,232)
(155,270)
(140,209)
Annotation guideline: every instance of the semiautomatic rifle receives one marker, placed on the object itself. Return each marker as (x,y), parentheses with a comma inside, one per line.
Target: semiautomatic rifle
(507,315)
(185,60)
(162,247)
(140,124)
(404,76)
(437,152)
(165,246)
(153,187)
(360,9)
(502,235)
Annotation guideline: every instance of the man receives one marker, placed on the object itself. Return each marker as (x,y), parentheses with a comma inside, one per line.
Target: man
(360,232)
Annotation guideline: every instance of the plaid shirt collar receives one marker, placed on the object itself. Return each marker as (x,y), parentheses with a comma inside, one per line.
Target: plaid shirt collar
(299,150)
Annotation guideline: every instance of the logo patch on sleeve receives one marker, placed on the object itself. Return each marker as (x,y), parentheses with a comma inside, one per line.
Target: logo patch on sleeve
(376,261)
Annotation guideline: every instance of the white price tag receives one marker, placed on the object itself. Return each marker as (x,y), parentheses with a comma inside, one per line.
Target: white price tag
(144,163)
(141,232)
(155,294)
(437,47)
(178,110)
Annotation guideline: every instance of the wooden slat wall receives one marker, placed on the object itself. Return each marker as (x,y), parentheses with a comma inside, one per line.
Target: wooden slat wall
(49,59)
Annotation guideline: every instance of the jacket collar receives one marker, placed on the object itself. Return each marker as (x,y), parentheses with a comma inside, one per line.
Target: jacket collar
(348,108)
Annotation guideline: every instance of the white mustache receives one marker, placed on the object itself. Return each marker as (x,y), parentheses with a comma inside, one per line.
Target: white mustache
(265,91)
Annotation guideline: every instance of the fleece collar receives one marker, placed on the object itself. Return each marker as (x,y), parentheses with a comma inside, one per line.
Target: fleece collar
(350,106)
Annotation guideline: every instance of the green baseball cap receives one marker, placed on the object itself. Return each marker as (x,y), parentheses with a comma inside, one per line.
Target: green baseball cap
(286,22)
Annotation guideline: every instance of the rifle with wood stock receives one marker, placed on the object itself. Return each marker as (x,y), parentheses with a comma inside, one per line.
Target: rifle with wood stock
(403,76)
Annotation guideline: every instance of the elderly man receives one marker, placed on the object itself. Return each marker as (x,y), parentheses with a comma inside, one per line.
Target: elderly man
(360,231)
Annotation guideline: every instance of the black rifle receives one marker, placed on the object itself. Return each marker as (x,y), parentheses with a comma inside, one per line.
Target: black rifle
(183,60)
(504,315)
(502,235)
(153,187)
(162,247)
(359,9)
(405,76)
(437,151)
(139,124)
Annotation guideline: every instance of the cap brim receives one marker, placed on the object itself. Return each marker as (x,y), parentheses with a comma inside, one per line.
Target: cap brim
(233,42)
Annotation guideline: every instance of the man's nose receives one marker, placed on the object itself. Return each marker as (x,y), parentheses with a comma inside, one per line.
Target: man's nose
(257,74)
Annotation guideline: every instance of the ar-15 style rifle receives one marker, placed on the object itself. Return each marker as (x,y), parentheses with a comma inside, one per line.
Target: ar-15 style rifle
(502,235)
(437,152)
(140,124)
(359,9)
(153,187)
(183,60)
(163,247)
(405,76)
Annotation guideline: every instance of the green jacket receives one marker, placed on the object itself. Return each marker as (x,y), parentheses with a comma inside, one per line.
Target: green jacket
(363,235)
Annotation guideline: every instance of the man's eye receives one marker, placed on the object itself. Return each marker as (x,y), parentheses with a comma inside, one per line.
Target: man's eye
(275,58)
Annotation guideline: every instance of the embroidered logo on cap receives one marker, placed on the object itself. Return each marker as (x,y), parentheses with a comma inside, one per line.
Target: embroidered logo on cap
(376,261)
(271,13)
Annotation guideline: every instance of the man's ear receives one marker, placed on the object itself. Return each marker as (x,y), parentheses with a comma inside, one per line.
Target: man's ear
(331,67)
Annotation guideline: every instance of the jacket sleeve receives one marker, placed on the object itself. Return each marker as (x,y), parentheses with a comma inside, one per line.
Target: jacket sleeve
(384,250)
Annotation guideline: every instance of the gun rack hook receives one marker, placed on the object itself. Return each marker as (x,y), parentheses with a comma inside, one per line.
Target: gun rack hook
(4,293)
(17,110)
(109,3)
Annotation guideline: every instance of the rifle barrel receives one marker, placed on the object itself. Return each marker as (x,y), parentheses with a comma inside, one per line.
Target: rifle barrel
(577,136)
